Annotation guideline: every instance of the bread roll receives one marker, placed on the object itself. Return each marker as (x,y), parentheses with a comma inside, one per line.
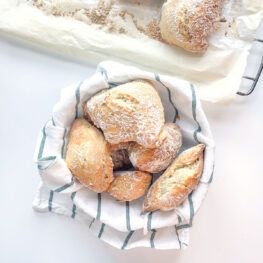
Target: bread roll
(129,185)
(88,156)
(85,112)
(129,112)
(177,182)
(187,23)
(157,159)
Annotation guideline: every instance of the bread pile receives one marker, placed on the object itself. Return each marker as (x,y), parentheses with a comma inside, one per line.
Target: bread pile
(123,139)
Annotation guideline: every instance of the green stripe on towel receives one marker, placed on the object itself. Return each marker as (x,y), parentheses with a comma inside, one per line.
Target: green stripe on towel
(51,194)
(191,205)
(48,158)
(212,175)
(40,167)
(99,207)
(104,73)
(157,77)
(42,144)
(101,230)
(64,187)
(178,237)
(91,223)
(77,94)
(74,206)
(63,144)
(125,243)
(149,222)
(128,224)
(152,238)
(53,122)
(194,112)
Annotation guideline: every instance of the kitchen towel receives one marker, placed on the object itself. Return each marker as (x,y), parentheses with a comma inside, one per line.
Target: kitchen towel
(120,223)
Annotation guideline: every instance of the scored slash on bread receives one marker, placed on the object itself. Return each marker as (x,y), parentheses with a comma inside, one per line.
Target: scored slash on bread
(177,182)
(128,112)
(129,185)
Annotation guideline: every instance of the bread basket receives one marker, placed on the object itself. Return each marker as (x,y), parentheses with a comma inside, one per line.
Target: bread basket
(120,223)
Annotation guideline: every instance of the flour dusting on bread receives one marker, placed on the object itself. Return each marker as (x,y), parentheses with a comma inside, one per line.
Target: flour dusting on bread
(129,112)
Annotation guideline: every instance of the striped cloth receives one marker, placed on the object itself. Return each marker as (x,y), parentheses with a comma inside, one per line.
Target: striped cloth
(120,223)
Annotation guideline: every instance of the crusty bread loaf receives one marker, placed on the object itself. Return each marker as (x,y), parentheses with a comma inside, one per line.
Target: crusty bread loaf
(129,185)
(155,160)
(88,156)
(173,187)
(187,23)
(129,112)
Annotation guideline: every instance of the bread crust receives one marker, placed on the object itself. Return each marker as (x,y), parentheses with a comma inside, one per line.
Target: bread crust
(177,182)
(129,112)
(187,23)
(129,185)
(154,160)
(88,157)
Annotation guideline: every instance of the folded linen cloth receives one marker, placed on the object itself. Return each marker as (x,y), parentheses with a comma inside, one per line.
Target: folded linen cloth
(120,224)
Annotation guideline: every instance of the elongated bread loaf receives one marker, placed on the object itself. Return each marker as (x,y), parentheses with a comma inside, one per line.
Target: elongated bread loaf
(155,160)
(129,185)
(129,112)
(187,23)
(180,178)
(88,156)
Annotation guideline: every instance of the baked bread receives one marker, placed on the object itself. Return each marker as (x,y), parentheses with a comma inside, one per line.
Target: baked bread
(88,157)
(177,182)
(187,23)
(157,159)
(129,112)
(85,112)
(119,155)
(129,185)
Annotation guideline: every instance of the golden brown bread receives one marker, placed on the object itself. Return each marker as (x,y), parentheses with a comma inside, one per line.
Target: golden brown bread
(129,185)
(155,160)
(88,156)
(177,182)
(129,112)
(119,155)
(187,23)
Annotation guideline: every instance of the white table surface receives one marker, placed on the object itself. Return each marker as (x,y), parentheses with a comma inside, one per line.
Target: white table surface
(228,227)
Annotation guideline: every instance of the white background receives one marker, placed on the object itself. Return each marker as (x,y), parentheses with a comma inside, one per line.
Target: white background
(228,227)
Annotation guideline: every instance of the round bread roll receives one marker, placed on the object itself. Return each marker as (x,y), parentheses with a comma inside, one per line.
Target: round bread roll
(129,112)
(88,157)
(187,23)
(119,155)
(129,185)
(157,159)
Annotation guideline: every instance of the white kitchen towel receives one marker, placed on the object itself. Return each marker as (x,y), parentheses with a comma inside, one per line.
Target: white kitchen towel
(120,224)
